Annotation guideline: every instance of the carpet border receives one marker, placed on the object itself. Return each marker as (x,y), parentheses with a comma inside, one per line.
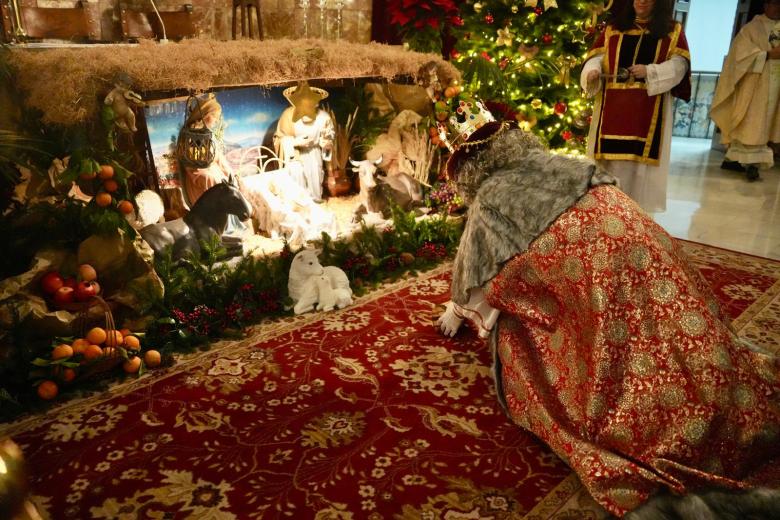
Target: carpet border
(727,250)
(258,334)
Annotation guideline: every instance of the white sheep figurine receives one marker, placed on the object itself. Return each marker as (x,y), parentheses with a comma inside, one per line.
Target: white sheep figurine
(311,284)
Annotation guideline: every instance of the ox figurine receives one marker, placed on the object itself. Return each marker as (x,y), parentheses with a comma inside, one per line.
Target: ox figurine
(376,194)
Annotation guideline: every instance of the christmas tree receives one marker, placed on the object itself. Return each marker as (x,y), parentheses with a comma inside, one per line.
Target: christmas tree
(524,56)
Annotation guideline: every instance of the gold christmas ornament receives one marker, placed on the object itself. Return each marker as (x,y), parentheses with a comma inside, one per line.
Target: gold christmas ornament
(477,7)
(548,4)
(505,37)
(565,64)
(597,9)
(536,104)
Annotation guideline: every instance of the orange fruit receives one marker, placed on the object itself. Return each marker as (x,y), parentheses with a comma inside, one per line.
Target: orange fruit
(125,207)
(62,351)
(152,358)
(79,346)
(96,336)
(125,332)
(114,338)
(93,352)
(106,171)
(132,343)
(132,365)
(109,352)
(110,185)
(87,273)
(103,199)
(47,390)
(88,176)
(68,375)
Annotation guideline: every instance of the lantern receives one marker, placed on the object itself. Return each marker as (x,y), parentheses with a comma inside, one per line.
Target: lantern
(195,147)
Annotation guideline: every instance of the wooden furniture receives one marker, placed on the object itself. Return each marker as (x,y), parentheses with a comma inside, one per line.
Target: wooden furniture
(76,23)
(145,24)
(248,25)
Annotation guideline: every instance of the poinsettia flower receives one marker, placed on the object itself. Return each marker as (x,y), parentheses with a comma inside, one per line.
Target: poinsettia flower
(398,17)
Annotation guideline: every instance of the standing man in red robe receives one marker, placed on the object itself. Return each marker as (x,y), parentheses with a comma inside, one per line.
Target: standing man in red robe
(638,63)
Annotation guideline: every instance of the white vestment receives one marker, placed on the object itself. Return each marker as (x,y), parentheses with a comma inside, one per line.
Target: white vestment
(745,106)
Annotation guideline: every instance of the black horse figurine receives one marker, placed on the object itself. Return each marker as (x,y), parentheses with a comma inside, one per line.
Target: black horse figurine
(206,220)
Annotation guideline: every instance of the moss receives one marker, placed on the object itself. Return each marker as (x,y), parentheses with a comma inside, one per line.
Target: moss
(67,84)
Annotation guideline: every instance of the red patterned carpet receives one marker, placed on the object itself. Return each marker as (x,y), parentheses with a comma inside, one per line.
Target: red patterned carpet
(364,413)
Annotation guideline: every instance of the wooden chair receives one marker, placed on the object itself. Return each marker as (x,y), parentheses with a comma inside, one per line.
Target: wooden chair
(247,24)
(146,24)
(78,23)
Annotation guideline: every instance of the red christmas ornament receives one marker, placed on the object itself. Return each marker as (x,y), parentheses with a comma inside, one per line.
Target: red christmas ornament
(503,63)
(566,134)
(486,56)
(454,54)
(457,21)
(547,39)
(539,11)
(560,108)
(488,18)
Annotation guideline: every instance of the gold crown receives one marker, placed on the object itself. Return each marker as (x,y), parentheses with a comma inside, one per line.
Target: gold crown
(466,117)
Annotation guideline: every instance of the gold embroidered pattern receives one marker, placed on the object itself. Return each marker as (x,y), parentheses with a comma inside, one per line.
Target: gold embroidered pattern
(672,396)
(694,430)
(613,226)
(639,258)
(598,298)
(617,332)
(600,261)
(545,244)
(572,268)
(643,365)
(744,397)
(693,323)
(663,291)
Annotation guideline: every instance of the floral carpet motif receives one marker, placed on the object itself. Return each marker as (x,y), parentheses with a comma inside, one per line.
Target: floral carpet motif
(363,413)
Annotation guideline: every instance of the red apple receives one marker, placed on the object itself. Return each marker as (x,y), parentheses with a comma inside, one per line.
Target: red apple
(63,296)
(51,281)
(70,282)
(84,291)
(87,273)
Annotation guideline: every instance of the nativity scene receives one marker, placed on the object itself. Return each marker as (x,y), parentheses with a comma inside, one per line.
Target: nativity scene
(336,273)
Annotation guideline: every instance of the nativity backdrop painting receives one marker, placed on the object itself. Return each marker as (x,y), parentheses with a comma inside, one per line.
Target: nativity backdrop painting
(249,119)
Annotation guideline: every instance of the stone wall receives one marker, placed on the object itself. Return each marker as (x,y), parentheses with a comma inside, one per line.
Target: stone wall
(281,18)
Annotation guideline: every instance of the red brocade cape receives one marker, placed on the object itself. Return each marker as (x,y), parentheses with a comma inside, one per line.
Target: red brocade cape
(631,122)
(611,349)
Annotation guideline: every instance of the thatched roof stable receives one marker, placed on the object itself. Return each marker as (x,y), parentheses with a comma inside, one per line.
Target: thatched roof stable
(68,84)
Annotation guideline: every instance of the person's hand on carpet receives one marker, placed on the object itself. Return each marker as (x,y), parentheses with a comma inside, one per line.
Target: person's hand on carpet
(449,322)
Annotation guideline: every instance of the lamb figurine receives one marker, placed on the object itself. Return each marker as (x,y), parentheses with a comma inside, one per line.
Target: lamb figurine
(311,284)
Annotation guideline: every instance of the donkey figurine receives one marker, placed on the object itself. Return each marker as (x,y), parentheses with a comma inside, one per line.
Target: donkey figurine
(207,219)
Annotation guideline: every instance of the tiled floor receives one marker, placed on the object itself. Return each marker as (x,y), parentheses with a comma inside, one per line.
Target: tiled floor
(717,207)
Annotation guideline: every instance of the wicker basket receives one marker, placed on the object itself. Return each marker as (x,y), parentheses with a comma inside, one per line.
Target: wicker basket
(112,353)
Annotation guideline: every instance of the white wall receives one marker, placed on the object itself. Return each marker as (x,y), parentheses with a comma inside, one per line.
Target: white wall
(709,27)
